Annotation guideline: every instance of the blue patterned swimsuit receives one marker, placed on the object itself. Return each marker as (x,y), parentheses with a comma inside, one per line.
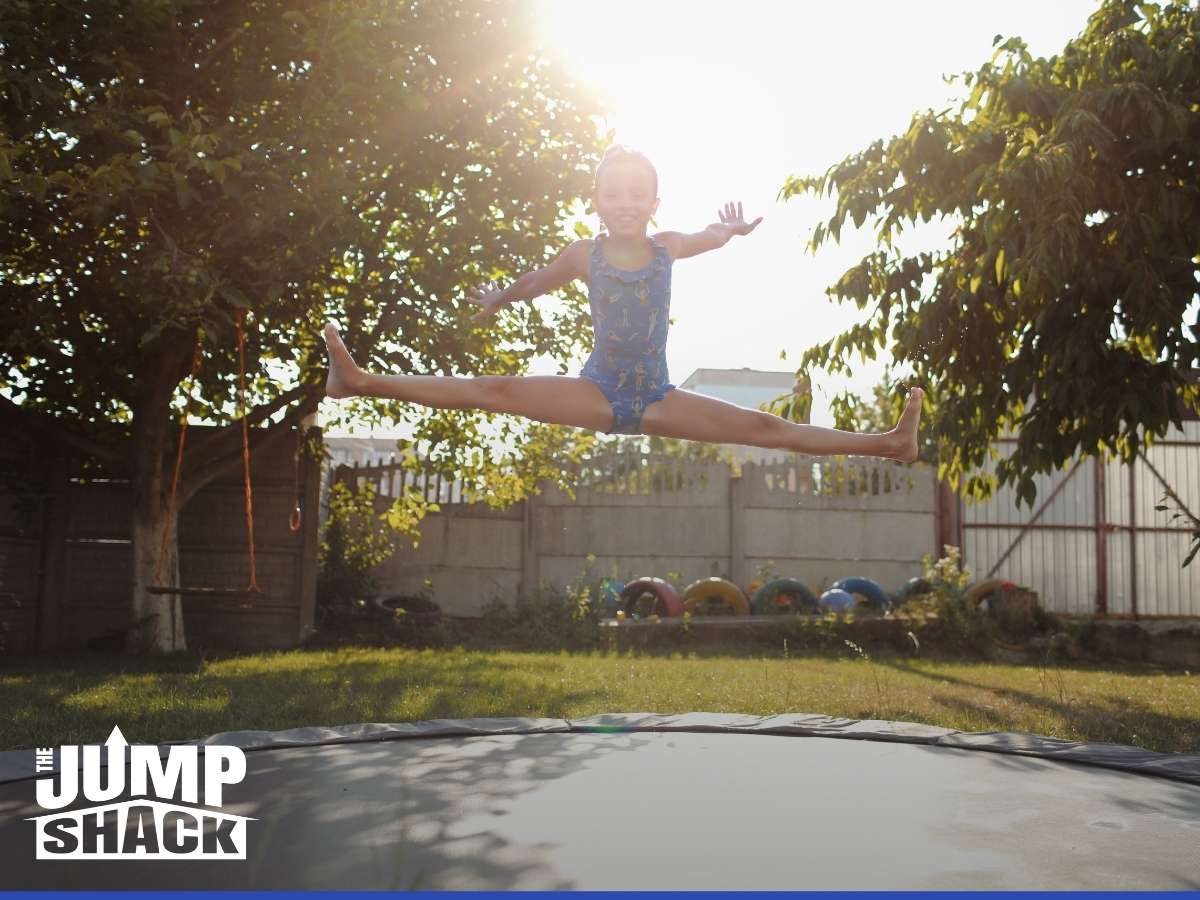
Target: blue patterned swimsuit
(629,316)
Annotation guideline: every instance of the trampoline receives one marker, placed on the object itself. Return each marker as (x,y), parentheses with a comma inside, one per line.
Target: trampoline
(694,801)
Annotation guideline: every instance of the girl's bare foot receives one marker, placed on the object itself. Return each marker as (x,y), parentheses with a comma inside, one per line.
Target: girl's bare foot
(905,433)
(344,375)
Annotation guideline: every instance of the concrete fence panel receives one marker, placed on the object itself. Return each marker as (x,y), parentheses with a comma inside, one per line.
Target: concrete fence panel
(652,515)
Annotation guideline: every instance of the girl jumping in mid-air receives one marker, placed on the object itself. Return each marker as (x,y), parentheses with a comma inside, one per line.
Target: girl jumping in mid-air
(623,387)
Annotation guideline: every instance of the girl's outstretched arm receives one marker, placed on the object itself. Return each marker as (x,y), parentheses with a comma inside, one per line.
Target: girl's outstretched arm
(715,235)
(572,263)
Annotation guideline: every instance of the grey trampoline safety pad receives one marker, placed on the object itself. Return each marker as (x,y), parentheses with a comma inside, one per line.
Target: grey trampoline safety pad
(663,809)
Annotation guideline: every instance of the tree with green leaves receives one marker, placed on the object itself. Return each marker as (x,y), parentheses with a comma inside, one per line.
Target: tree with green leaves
(1059,309)
(167,164)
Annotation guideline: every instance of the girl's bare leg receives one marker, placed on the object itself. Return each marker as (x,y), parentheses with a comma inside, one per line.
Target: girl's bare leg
(694,417)
(556,399)
(576,401)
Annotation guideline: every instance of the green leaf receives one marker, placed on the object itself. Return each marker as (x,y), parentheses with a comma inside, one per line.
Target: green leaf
(1000,266)
(373,223)
(234,296)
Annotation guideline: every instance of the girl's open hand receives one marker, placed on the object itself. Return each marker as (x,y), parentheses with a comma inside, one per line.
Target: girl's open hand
(490,297)
(731,216)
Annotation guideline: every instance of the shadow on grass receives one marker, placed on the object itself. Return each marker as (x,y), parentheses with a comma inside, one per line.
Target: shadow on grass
(79,700)
(1109,719)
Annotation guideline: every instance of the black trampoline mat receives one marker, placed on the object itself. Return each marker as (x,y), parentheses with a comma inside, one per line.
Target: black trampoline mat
(568,807)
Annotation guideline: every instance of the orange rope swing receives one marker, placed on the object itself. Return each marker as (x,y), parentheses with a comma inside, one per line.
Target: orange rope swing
(172,500)
(241,329)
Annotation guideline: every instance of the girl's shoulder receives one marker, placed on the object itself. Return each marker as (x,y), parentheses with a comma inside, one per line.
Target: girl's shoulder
(671,241)
(581,256)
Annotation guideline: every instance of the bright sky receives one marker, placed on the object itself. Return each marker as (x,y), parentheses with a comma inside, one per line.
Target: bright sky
(729,99)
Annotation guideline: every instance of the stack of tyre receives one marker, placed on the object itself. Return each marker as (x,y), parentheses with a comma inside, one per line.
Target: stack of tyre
(643,598)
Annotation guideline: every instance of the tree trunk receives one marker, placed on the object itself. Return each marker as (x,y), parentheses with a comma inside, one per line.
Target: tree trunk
(157,618)
(156,622)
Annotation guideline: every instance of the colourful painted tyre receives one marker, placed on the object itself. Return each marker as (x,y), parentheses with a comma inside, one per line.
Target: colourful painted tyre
(914,587)
(715,597)
(836,600)
(646,597)
(976,592)
(876,595)
(783,596)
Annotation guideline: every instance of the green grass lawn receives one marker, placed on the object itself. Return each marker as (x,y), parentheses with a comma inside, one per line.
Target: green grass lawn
(47,701)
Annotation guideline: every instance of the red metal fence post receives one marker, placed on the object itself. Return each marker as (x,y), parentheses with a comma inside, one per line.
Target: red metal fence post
(1101,537)
(1133,567)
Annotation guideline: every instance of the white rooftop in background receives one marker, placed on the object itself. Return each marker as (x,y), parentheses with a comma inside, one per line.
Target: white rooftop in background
(745,387)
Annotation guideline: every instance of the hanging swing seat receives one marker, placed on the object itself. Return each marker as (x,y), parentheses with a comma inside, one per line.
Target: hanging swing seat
(235,593)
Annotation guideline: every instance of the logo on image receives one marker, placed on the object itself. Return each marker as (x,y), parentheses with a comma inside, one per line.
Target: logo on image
(162,816)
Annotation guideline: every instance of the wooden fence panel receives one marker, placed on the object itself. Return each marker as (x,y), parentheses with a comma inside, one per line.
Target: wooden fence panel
(66,571)
(25,507)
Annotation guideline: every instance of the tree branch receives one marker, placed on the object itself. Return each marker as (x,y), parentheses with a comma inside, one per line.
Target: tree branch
(208,445)
(261,439)
(80,442)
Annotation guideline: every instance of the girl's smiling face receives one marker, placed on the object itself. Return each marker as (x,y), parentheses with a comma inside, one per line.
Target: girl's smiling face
(625,197)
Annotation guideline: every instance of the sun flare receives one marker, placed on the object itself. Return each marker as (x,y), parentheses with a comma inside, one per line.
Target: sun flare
(668,92)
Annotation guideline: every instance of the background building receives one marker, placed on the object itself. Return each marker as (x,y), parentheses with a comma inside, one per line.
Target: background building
(745,387)
(359,451)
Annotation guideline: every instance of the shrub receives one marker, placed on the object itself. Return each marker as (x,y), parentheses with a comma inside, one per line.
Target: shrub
(550,618)
(957,627)
(354,541)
